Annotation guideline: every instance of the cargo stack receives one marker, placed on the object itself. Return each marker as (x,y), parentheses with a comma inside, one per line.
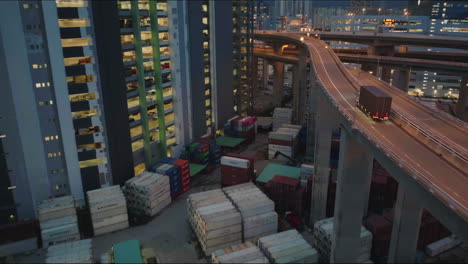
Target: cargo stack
(244,127)
(199,153)
(71,252)
(58,221)
(381,230)
(147,194)
(287,247)
(214,219)
(284,140)
(184,169)
(108,209)
(251,159)
(214,149)
(173,172)
(287,194)
(246,252)
(257,210)
(235,171)
(281,116)
(323,231)
(307,172)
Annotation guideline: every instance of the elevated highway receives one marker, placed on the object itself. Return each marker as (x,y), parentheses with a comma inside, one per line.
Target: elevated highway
(448,67)
(394,39)
(426,151)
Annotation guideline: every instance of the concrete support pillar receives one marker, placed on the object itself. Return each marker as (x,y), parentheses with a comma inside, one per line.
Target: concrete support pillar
(323,134)
(278,48)
(266,74)
(255,76)
(354,173)
(302,90)
(401,78)
(369,67)
(381,50)
(406,223)
(386,73)
(313,106)
(296,92)
(462,105)
(278,82)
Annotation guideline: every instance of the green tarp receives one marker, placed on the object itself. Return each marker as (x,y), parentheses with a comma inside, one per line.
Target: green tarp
(229,141)
(127,252)
(273,169)
(195,168)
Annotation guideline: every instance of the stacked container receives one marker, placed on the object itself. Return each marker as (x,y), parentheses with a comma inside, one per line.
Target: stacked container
(246,252)
(147,194)
(173,172)
(244,127)
(71,252)
(199,153)
(58,221)
(287,194)
(108,209)
(381,230)
(251,159)
(281,116)
(215,220)
(284,140)
(184,168)
(287,247)
(257,210)
(323,232)
(307,171)
(235,171)
(214,149)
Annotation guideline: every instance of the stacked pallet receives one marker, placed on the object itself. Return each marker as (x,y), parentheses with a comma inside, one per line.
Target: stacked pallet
(147,194)
(72,252)
(281,116)
(235,171)
(215,220)
(284,140)
(257,210)
(287,247)
(323,231)
(108,209)
(58,221)
(246,252)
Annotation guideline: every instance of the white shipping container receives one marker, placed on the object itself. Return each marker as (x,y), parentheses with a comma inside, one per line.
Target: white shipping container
(281,136)
(442,245)
(280,148)
(235,162)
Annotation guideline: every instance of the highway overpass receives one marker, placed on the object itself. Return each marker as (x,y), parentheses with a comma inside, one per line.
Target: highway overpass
(423,149)
(394,39)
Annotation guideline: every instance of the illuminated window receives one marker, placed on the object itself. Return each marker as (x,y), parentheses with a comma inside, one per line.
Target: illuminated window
(74,22)
(46,138)
(25,6)
(76,42)
(139,169)
(34,66)
(38,85)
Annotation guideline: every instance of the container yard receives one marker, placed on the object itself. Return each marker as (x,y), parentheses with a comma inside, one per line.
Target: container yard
(221,204)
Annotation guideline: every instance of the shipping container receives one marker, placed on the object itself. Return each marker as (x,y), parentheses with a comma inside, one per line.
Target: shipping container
(374,102)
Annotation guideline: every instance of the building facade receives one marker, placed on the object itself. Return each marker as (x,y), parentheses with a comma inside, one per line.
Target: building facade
(96,92)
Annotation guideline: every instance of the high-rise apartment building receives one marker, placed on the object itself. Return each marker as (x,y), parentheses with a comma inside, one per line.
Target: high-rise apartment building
(96,92)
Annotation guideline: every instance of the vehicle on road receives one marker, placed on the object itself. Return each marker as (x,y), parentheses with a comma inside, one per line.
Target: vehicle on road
(375,103)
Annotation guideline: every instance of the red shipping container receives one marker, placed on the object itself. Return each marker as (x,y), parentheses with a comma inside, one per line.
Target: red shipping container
(379,226)
(233,175)
(288,184)
(281,142)
(182,164)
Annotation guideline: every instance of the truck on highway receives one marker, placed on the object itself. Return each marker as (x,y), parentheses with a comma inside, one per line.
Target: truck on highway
(375,103)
